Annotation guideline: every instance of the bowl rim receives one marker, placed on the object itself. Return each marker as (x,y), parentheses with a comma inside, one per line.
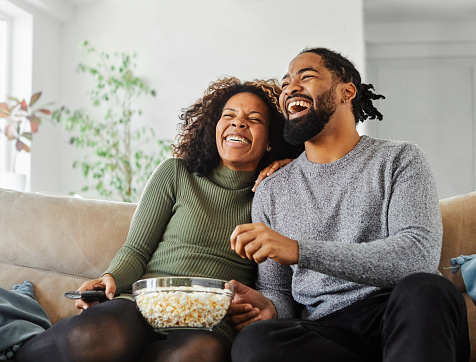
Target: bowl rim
(144,289)
(183,277)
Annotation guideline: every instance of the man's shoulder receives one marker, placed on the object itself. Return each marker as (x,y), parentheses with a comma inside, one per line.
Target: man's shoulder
(282,176)
(388,143)
(391,147)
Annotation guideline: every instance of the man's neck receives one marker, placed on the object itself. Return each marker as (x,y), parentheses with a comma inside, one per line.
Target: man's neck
(333,143)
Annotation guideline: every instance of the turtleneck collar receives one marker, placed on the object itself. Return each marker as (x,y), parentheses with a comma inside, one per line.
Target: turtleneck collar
(231,179)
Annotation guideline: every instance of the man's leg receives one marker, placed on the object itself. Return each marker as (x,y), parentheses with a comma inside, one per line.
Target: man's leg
(292,340)
(425,320)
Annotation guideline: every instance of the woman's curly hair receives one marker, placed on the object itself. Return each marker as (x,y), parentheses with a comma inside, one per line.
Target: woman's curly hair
(197,140)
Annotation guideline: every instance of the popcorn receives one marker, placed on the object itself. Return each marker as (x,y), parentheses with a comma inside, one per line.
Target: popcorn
(184,307)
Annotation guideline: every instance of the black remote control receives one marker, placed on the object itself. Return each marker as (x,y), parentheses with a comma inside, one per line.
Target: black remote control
(88,295)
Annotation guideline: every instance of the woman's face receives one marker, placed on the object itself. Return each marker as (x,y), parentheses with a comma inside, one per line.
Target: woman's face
(242,132)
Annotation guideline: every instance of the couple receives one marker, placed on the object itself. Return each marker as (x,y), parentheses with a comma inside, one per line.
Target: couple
(347,237)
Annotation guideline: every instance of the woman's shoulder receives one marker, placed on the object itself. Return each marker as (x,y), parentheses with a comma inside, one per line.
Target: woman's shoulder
(172,163)
(169,167)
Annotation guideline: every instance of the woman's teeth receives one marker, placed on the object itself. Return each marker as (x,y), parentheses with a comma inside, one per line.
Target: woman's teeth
(298,106)
(238,139)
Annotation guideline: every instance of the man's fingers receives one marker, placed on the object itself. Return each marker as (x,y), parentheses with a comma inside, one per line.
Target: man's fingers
(252,248)
(243,318)
(240,237)
(240,326)
(237,309)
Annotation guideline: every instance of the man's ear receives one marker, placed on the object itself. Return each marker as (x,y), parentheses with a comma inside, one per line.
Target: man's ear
(349,91)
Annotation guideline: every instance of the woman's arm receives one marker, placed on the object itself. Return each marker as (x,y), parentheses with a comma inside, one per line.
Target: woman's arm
(150,219)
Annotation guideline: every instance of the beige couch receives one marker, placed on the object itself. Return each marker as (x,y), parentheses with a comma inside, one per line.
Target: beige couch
(60,242)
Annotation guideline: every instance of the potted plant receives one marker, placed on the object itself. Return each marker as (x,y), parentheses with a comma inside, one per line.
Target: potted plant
(19,120)
(120,156)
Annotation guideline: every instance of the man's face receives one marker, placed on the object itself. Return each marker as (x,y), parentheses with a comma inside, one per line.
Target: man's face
(308,100)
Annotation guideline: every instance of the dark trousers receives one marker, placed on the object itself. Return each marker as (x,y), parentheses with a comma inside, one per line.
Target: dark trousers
(423,319)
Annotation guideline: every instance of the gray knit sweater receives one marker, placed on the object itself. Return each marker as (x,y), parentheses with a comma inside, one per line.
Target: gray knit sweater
(362,223)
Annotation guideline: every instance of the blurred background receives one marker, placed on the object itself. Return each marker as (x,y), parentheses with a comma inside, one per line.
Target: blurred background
(420,54)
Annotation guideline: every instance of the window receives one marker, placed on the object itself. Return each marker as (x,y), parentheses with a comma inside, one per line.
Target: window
(16,31)
(3,84)
(3,57)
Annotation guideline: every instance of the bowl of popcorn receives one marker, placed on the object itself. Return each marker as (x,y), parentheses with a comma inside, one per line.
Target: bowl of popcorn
(182,302)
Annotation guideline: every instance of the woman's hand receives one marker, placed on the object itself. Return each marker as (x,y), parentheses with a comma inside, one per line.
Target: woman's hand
(248,306)
(269,170)
(106,282)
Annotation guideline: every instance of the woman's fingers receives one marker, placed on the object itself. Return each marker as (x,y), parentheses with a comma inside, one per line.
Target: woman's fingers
(269,170)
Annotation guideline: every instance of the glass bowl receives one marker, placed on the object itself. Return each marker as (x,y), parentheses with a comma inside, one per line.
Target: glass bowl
(169,303)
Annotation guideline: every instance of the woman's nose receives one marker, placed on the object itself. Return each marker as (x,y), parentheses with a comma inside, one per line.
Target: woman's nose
(238,123)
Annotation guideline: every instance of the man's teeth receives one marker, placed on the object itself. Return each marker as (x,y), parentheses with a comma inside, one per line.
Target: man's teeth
(298,106)
(239,139)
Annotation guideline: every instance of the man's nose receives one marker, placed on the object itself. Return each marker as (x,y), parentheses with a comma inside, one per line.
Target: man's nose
(292,87)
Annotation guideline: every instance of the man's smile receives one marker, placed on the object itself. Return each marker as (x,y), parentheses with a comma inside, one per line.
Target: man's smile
(298,106)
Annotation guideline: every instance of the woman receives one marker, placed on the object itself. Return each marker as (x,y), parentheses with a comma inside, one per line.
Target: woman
(182,226)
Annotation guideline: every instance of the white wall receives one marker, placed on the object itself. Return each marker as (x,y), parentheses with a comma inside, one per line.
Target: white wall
(46,151)
(427,70)
(181,46)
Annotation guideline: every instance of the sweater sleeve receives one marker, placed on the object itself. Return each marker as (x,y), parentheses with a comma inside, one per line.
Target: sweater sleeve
(150,219)
(414,232)
(274,280)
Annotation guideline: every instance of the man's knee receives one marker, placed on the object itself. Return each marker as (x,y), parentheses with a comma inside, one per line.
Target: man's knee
(423,296)
(425,286)
(254,343)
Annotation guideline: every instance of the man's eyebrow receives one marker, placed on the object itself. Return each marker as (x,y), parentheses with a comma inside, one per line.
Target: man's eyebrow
(285,76)
(300,71)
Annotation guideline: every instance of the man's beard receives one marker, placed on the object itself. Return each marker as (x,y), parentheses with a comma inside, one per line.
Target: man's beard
(302,129)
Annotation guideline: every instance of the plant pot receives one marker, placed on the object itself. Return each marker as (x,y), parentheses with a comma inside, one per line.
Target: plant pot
(13,181)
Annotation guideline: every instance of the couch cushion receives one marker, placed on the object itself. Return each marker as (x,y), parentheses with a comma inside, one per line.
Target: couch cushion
(61,234)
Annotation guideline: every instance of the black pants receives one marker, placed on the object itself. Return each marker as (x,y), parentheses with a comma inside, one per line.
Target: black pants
(423,319)
(114,331)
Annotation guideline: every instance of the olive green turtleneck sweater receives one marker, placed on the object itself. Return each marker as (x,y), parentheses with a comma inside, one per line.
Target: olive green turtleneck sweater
(182,227)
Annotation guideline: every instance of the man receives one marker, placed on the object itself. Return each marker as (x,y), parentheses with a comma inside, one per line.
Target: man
(348,237)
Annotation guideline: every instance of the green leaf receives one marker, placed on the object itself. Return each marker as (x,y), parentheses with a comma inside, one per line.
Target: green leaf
(34,98)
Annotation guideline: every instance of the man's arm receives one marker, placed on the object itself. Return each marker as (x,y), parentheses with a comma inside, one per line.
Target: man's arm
(414,233)
(274,279)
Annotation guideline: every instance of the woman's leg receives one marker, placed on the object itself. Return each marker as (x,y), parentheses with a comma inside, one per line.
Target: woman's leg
(188,345)
(110,331)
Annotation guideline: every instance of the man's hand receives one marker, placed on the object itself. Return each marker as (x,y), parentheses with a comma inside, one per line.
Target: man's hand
(258,242)
(248,306)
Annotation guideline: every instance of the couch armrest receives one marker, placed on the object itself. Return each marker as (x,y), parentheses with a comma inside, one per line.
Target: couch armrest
(459,232)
